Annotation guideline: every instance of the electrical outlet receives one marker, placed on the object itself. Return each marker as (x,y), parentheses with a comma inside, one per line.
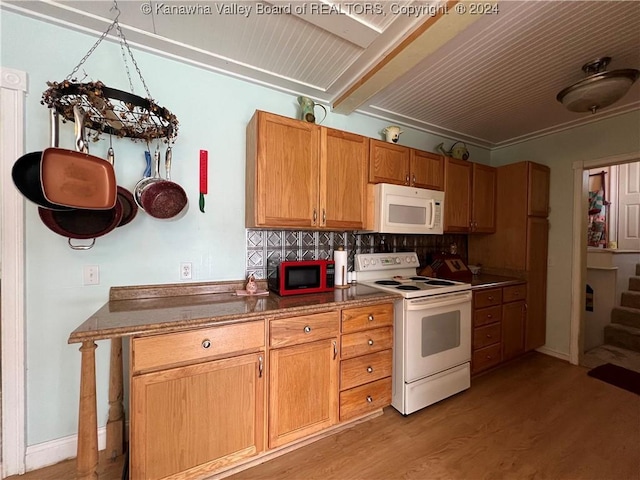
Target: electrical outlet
(91,275)
(185,271)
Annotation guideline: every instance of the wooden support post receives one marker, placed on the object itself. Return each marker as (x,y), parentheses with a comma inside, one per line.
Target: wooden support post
(87,461)
(115,424)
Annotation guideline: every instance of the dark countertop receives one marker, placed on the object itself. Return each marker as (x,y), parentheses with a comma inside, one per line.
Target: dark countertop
(164,313)
(485,280)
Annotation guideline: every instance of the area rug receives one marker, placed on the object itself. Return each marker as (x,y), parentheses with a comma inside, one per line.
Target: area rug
(618,376)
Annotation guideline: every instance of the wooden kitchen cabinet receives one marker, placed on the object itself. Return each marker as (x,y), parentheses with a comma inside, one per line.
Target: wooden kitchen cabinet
(400,165)
(343,179)
(483,200)
(520,244)
(486,341)
(498,325)
(457,189)
(470,197)
(514,310)
(301,175)
(303,376)
(427,170)
(366,359)
(193,419)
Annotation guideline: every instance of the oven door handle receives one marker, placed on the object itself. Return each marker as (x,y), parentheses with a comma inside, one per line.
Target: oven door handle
(425,303)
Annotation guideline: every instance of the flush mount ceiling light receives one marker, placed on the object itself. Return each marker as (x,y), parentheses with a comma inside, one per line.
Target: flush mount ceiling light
(599,89)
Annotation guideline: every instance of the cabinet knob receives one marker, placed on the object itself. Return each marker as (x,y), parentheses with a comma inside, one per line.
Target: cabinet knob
(489,315)
(488,335)
(413,179)
(489,357)
(206,343)
(307,329)
(406,180)
(370,317)
(490,298)
(370,342)
(370,369)
(324,217)
(369,399)
(315,216)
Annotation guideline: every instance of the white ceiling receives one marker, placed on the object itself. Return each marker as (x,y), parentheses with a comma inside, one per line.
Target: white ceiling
(489,79)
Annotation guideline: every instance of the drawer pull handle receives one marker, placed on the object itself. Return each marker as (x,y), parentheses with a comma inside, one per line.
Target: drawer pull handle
(307,329)
(370,369)
(370,318)
(488,335)
(489,316)
(369,399)
(206,343)
(335,349)
(260,366)
(490,298)
(370,342)
(488,357)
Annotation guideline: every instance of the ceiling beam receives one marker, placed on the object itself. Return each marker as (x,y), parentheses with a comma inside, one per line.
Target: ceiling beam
(432,34)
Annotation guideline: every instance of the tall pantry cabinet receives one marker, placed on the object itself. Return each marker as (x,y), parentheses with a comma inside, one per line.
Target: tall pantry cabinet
(520,244)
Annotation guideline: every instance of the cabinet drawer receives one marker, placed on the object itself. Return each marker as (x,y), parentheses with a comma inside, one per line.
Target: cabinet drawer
(487,315)
(195,345)
(365,369)
(514,293)
(487,298)
(363,318)
(303,329)
(487,335)
(365,398)
(369,341)
(485,358)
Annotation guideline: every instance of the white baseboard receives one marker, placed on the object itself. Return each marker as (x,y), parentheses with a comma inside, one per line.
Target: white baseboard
(55,451)
(553,353)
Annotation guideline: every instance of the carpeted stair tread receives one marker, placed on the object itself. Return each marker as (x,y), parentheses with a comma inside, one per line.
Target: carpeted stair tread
(626,316)
(622,336)
(634,284)
(630,299)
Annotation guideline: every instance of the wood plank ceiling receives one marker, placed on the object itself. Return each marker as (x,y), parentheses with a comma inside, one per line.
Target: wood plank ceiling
(490,79)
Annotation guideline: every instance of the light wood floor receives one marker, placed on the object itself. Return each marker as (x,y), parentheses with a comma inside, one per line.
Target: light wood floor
(536,418)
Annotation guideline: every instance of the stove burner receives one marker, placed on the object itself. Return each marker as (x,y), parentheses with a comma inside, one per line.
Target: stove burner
(408,287)
(387,282)
(439,282)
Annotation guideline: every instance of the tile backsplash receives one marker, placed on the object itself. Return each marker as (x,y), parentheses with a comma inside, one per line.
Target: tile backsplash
(264,246)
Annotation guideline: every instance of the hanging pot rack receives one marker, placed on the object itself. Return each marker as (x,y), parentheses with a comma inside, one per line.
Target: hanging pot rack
(108,110)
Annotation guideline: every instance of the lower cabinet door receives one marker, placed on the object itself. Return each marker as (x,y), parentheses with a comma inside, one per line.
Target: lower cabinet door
(198,418)
(303,390)
(513,322)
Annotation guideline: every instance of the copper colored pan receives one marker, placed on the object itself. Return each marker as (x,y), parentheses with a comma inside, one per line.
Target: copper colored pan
(75,178)
(164,199)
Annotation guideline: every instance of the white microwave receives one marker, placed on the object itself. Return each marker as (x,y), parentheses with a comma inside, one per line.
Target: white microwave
(400,209)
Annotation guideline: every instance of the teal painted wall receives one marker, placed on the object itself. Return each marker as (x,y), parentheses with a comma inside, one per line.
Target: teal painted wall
(213,111)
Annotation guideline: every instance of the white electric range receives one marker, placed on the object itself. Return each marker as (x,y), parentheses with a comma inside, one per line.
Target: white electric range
(432,329)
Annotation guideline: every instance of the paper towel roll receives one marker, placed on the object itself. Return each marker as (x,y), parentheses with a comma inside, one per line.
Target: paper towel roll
(340,257)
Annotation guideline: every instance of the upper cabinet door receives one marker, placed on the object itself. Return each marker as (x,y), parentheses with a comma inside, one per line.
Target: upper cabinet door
(388,163)
(538,198)
(483,206)
(457,199)
(282,172)
(427,170)
(343,179)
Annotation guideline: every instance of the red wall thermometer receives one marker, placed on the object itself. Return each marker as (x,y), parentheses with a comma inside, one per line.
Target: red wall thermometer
(204,160)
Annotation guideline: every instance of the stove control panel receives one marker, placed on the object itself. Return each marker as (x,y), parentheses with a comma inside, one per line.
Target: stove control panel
(385,261)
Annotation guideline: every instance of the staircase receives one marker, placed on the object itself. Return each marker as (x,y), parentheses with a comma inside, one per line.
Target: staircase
(624,329)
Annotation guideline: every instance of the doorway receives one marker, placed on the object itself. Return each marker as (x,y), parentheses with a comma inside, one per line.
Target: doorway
(600,268)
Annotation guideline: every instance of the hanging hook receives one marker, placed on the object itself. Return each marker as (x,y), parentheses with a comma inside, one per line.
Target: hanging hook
(115,7)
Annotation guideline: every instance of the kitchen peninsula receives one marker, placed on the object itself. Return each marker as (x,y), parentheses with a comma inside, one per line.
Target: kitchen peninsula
(201,336)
